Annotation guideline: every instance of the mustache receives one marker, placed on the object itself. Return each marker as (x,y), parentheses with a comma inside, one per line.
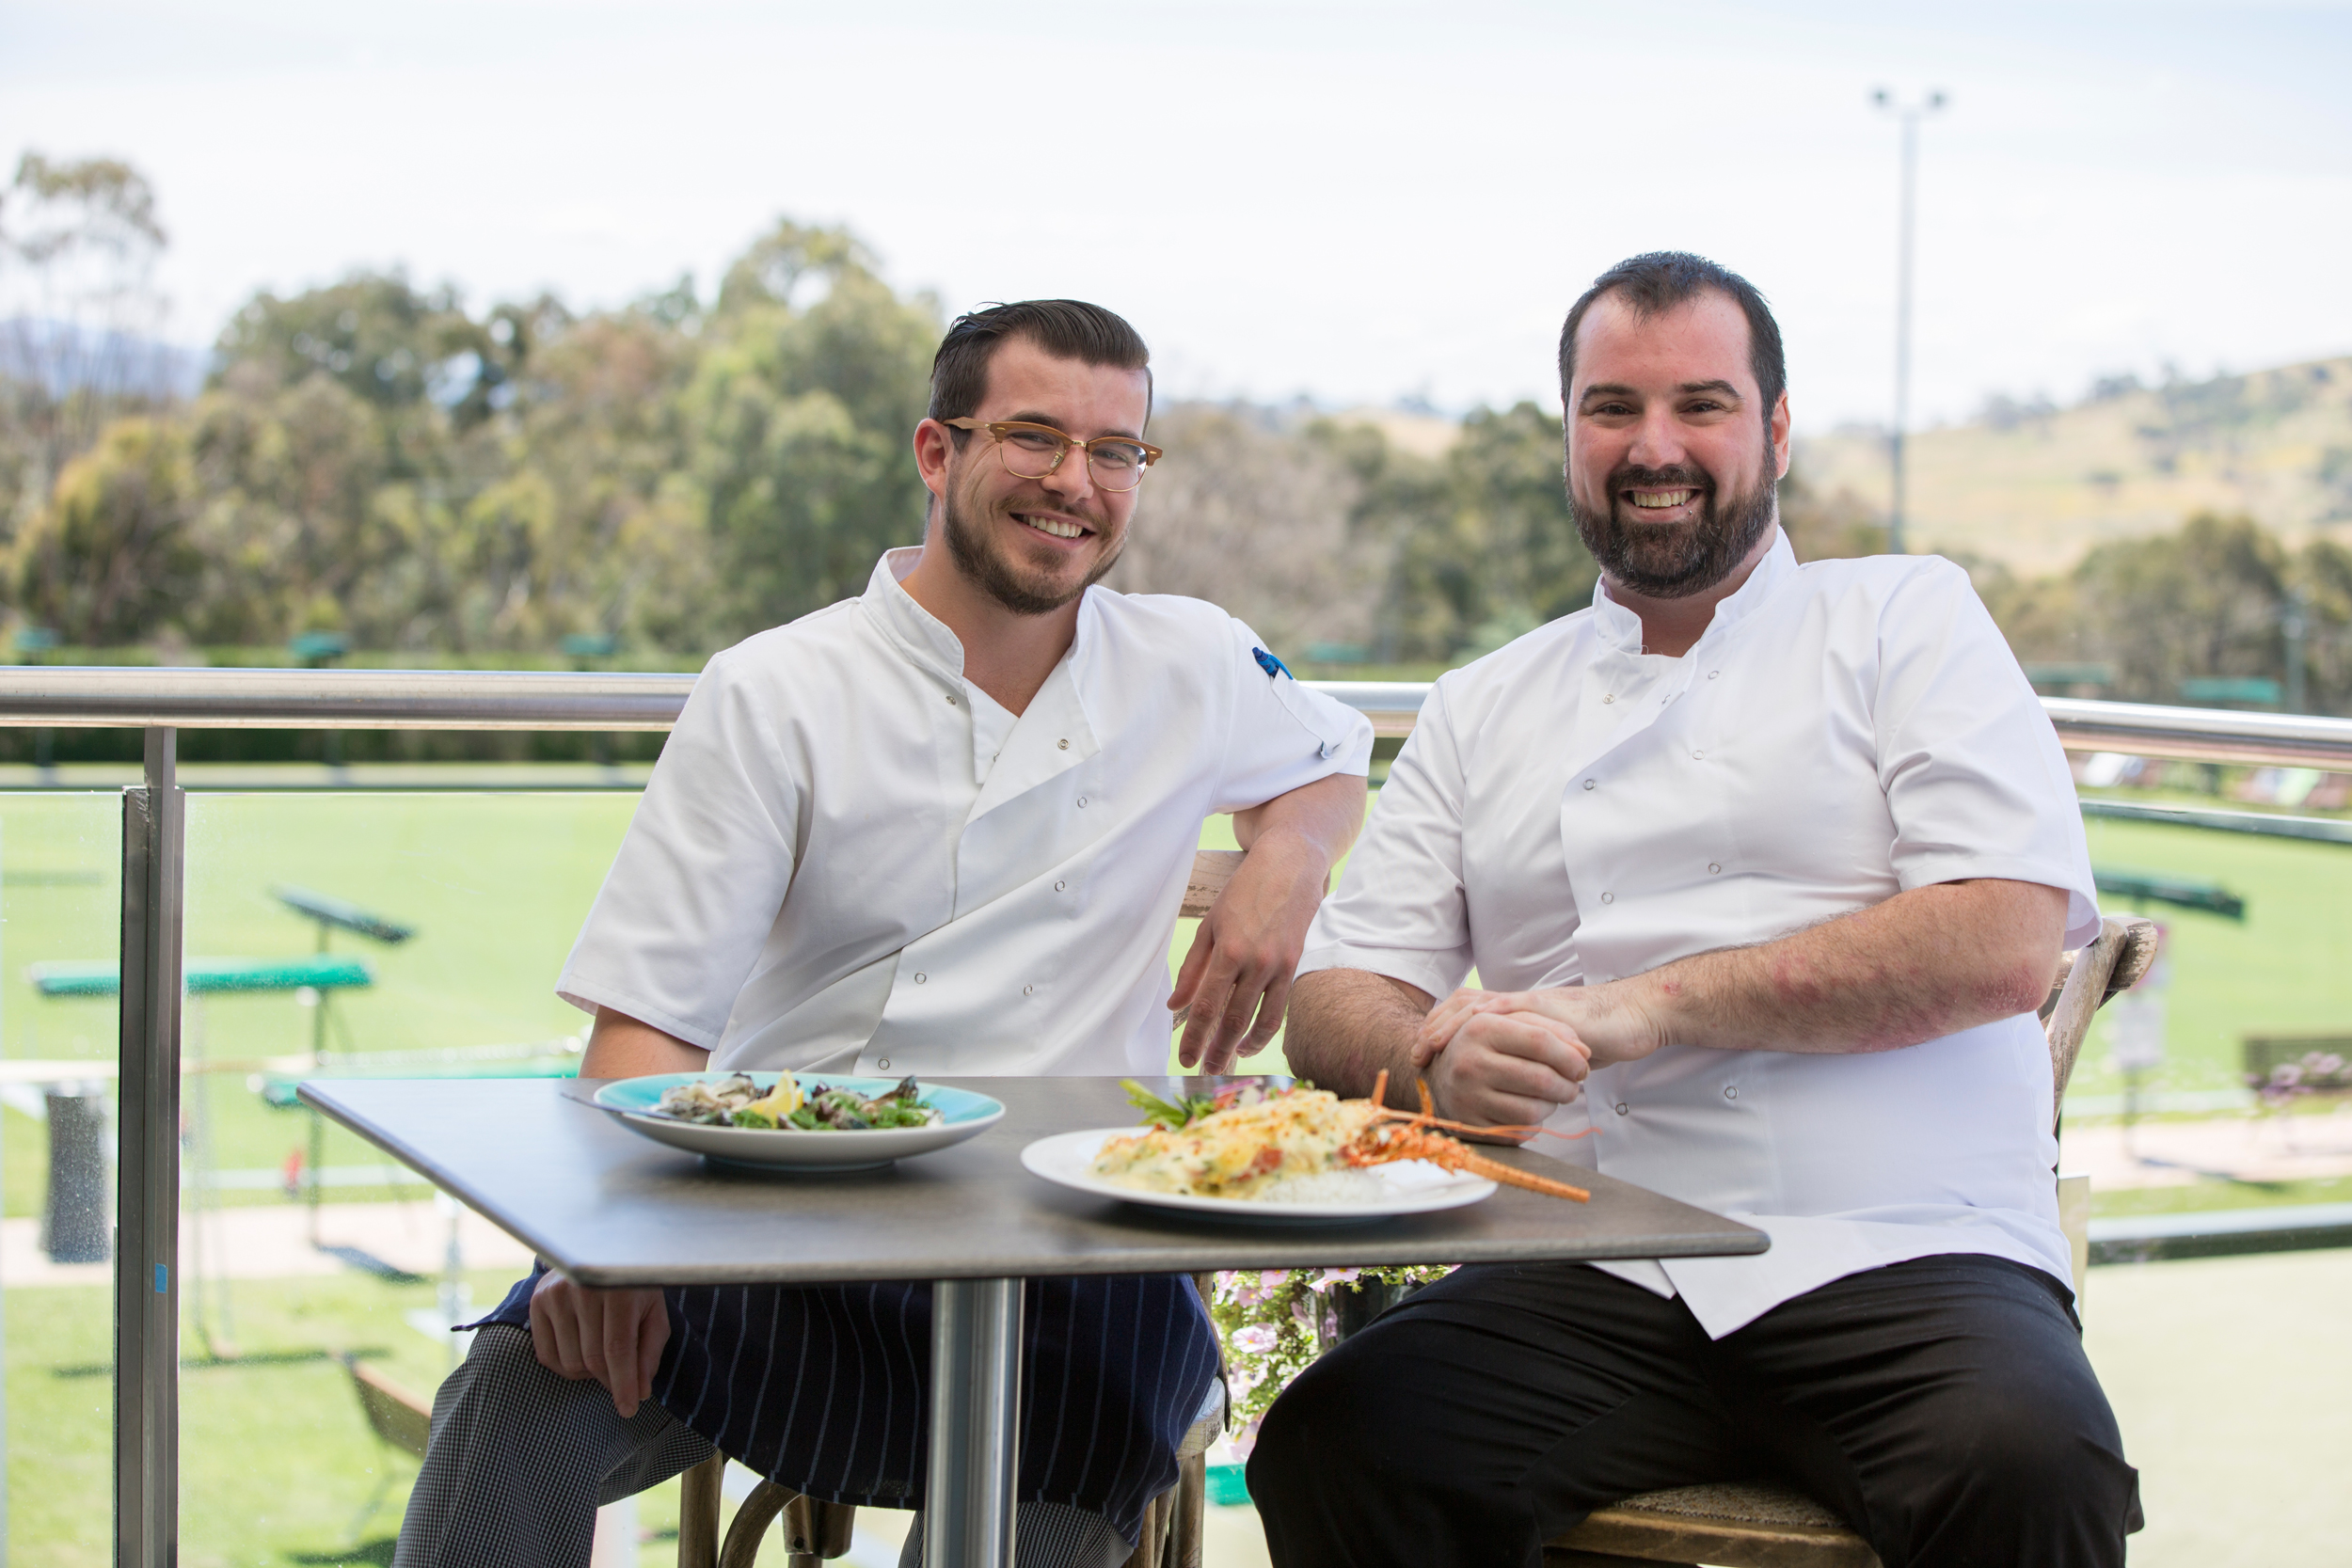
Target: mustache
(1629,476)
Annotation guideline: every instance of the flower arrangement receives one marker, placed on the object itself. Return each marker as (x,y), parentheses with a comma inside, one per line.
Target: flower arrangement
(1274,1321)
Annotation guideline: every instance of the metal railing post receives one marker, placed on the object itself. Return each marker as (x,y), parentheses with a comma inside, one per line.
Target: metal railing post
(146,1193)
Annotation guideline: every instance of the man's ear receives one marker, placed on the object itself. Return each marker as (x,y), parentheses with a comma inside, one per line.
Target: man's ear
(933,444)
(1778,426)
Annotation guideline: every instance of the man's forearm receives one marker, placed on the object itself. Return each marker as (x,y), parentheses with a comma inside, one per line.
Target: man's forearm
(621,1047)
(1347,1026)
(1921,965)
(1924,964)
(1326,814)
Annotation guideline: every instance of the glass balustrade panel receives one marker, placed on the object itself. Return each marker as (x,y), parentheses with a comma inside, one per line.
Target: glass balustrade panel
(60,912)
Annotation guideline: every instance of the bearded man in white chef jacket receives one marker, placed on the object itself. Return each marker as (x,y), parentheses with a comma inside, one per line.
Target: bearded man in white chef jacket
(940,829)
(1765,868)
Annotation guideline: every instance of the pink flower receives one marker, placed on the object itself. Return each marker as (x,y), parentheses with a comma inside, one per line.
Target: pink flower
(1269,1279)
(1329,1278)
(1246,1439)
(1254,1338)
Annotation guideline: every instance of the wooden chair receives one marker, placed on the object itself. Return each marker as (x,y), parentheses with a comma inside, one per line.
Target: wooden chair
(399,1418)
(1763,1524)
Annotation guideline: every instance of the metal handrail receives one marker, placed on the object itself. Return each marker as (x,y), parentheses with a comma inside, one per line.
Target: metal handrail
(127,697)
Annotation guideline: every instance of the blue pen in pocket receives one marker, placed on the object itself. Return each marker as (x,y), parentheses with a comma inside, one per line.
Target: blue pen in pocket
(1271,665)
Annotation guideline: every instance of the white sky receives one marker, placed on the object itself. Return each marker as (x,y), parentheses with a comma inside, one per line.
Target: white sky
(1355,199)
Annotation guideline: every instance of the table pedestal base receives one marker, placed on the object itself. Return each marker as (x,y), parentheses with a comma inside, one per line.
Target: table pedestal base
(976,1423)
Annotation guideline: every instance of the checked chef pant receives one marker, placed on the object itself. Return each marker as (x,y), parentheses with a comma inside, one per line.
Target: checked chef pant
(1942,1406)
(521,1457)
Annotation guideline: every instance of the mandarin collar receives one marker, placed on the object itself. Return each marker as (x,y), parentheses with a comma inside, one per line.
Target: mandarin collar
(1622,630)
(924,635)
(926,638)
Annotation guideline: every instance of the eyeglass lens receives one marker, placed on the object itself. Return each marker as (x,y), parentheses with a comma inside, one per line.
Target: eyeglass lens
(1033,455)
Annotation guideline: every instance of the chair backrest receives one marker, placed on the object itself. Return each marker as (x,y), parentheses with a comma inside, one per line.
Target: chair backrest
(397,1416)
(1211,870)
(2113,961)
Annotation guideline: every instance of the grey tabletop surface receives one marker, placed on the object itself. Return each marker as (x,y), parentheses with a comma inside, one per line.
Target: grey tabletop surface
(611,1207)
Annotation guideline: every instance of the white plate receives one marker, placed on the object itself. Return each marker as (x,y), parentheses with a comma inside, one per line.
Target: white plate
(630,1099)
(1415,1186)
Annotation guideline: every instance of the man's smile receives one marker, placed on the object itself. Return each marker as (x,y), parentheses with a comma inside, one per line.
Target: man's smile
(1659,500)
(1053,525)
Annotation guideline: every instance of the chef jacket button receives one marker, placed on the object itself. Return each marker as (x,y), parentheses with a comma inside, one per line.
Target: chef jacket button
(1714,868)
(884,1064)
(1697,756)
(1028,991)
(1731,1091)
(951,698)
(1609,697)
(1588,784)
(1082,801)
(920,978)
(1608,898)
(1326,749)
(1062,745)
(1621,1107)
(1059,886)
(1712,674)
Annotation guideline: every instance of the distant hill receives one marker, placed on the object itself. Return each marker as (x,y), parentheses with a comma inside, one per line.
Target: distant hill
(2036,486)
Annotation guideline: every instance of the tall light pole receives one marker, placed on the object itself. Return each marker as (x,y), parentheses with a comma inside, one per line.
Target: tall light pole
(1909,115)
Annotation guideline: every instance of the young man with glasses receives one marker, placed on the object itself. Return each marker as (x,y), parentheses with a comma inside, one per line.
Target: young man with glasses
(942,829)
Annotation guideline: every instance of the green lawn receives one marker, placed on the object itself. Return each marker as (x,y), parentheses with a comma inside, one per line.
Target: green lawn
(2287,968)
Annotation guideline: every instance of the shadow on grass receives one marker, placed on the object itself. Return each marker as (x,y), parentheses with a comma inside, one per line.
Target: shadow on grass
(259,1358)
(376,1554)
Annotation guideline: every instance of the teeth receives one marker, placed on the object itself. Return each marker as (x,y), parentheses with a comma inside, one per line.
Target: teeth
(1058,529)
(1659,500)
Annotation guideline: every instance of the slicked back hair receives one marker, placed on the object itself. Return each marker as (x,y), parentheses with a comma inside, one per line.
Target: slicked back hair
(1662,280)
(1065,328)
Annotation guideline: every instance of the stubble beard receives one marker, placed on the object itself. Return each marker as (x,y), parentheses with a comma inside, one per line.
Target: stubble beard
(1674,561)
(995,573)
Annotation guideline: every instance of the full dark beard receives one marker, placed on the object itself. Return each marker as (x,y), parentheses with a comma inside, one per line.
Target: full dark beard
(1002,580)
(1674,561)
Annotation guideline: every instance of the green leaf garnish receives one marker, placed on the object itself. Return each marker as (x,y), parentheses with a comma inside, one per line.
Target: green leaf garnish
(1168,1114)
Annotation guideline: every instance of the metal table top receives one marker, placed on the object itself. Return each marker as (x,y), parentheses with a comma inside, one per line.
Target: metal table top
(609,1207)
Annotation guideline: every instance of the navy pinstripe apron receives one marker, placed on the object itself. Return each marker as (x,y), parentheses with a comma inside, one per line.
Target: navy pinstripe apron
(825,1389)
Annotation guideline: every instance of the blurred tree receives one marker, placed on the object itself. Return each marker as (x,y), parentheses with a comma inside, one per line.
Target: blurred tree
(2202,602)
(1248,517)
(2322,571)
(1483,545)
(79,240)
(1824,528)
(811,378)
(111,560)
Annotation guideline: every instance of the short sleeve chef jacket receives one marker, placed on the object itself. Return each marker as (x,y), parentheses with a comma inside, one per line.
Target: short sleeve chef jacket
(839,865)
(1571,810)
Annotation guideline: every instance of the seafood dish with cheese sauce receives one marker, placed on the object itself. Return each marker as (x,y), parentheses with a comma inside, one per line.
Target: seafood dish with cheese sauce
(1292,1144)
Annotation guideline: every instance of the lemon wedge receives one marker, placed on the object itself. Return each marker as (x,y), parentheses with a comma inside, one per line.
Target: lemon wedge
(780,1101)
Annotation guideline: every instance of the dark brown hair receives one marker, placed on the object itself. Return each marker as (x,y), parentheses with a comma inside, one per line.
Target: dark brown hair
(1065,328)
(1662,280)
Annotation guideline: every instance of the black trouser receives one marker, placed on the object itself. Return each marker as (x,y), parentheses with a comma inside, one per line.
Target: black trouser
(1943,1406)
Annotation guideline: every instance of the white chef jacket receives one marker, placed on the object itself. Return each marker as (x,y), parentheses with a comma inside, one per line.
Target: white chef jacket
(848,858)
(1570,811)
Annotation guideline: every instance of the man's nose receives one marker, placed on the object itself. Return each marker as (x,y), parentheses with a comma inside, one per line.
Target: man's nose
(1657,440)
(1072,479)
